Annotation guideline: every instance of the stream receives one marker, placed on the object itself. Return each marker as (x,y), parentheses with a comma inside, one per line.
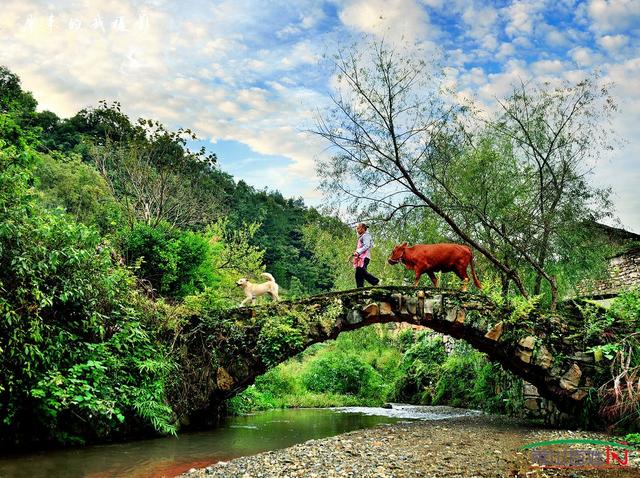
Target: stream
(235,437)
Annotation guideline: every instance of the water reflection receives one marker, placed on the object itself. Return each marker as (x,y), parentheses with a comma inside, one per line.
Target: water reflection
(167,457)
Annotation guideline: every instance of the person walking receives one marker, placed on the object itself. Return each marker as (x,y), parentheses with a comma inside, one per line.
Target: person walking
(362,255)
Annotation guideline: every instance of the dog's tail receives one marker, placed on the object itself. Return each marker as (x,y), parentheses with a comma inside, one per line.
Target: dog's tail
(268,276)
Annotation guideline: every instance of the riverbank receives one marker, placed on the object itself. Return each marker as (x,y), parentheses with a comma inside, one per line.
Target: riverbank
(469,446)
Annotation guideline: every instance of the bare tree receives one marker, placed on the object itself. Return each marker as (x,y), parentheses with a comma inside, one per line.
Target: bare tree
(556,135)
(157,178)
(398,143)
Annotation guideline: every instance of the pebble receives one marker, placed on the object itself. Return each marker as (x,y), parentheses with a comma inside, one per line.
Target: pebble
(482,447)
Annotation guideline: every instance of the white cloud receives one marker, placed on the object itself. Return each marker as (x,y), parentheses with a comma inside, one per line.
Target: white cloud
(614,15)
(613,43)
(522,16)
(555,37)
(499,85)
(583,56)
(481,25)
(544,67)
(302,53)
(476,76)
(394,19)
(433,3)
(505,51)
(304,22)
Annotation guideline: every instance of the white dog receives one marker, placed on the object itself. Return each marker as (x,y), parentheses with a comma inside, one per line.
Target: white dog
(251,290)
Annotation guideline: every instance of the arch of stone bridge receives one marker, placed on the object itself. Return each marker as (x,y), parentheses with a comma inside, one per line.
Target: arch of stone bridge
(542,356)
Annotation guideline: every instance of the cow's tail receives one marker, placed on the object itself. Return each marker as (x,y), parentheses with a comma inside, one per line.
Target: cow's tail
(268,276)
(473,273)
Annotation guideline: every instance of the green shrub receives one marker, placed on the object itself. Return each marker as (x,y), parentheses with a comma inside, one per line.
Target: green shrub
(633,439)
(626,307)
(280,337)
(250,400)
(457,374)
(275,382)
(80,190)
(176,263)
(78,355)
(496,390)
(428,348)
(344,374)
(421,364)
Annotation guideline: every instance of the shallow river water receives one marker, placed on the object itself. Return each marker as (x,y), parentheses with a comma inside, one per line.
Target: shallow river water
(236,436)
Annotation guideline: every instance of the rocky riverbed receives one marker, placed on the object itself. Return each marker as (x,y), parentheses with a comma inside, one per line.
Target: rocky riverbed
(466,446)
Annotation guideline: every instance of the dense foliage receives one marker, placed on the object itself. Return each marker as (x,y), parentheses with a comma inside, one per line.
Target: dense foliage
(617,399)
(378,364)
(78,355)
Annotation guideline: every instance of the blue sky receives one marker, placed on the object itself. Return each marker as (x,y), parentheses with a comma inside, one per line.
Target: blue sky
(248,77)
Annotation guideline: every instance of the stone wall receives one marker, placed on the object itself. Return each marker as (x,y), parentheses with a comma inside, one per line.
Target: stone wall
(624,274)
(624,270)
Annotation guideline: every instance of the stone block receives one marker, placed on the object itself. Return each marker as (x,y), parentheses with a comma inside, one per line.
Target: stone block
(528,342)
(223,379)
(412,306)
(455,314)
(496,332)
(586,357)
(371,310)
(354,317)
(531,404)
(431,306)
(530,389)
(544,358)
(571,379)
(524,350)
(579,395)
(524,355)
(400,304)
(385,308)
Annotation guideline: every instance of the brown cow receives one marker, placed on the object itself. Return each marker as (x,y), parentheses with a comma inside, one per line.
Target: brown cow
(432,258)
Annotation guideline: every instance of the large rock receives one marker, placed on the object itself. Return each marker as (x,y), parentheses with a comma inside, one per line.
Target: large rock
(371,310)
(385,308)
(530,390)
(579,394)
(544,358)
(456,314)
(571,379)
(524,355)
(525,348)
(531,404)
(496,332)
(528,342)
(354,317)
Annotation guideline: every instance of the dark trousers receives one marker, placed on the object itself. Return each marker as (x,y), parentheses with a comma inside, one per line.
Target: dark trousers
(362,274)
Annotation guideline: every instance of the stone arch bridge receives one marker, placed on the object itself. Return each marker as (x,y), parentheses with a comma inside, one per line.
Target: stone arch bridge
(226,354)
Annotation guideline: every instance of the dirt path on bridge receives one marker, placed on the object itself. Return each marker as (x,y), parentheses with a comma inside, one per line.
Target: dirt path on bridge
(480,446)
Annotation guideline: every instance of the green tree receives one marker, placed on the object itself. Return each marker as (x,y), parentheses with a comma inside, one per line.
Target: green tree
(79,189)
